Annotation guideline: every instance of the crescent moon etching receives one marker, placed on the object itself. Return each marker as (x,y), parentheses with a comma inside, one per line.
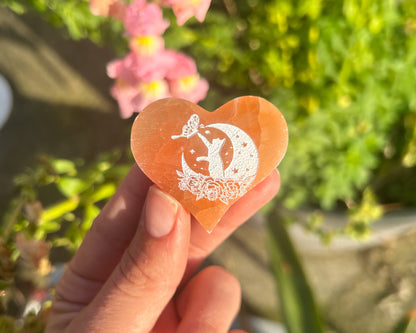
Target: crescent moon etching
(223,183)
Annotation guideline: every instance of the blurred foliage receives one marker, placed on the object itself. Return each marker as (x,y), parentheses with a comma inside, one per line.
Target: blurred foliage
(343,74)
(76,17)
(297,301)
(57,203)
(362,215)
(406,324)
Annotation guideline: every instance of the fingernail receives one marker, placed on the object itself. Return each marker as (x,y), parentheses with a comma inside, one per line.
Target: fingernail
(160,212)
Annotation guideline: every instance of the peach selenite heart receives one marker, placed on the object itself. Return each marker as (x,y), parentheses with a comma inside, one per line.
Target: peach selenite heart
(208,160)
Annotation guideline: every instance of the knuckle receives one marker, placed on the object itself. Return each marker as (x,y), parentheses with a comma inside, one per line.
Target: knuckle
(133,275)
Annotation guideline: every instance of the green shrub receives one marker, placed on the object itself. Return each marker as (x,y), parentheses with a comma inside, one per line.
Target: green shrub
(342,72)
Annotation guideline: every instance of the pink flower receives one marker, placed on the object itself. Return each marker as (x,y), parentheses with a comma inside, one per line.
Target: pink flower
(185,9)
(146,46)
(118,10)
(133,69)
(182,65)
(150,92)
(113,8)
(125,95)
(184,81)
(142,19)
(134,98)
(191,88)
(122,68)
(100,7)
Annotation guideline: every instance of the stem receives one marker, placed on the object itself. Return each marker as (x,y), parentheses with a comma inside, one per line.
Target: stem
(297,301)
(12,219)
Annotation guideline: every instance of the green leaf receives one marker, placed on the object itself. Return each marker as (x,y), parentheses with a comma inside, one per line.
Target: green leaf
(59,209)
(406,325)
(50,226)
(15,6)
(71,186)
(296,297)
(62,241)
(90,213)
(62,166)
(75,235)
(103,192)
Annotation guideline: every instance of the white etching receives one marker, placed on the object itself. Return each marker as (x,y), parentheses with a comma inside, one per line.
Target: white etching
(223,184)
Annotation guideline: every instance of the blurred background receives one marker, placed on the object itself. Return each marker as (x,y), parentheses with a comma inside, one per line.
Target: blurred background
(334,252)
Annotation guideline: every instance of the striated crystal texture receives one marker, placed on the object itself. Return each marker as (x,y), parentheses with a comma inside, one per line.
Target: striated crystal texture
(208,160)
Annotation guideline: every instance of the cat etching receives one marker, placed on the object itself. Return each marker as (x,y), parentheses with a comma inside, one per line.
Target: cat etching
(215,166)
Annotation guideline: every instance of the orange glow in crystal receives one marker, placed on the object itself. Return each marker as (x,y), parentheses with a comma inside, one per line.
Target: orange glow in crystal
(208,160)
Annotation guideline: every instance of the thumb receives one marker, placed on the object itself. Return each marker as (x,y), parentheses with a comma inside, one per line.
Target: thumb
(148,273)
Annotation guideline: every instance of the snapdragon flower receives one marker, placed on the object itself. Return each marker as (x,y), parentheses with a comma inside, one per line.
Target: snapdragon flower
(185,9)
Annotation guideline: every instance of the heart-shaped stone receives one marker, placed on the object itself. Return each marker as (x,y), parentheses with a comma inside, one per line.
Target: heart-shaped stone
(208,160)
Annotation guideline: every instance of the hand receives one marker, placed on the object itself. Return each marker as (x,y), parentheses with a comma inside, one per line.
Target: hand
(134,269)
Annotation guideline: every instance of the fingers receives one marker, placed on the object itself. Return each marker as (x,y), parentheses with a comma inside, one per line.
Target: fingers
(101,250)
(106,241)
(148,274)
(135,285)
(202,243)
(113,229)
(209,302)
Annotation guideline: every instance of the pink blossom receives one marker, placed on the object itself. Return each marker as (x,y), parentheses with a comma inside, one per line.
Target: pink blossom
(149,72)
(184,80)
(146,46)
(191,88)
(134,69)
(113,8)
(185,9)
(122,68)
(125,95)
(134,98)
(100,7)
(150,92)
(182,65)
(142,19)
(118,10)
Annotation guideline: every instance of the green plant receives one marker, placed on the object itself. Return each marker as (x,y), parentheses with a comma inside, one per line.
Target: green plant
(57,203)
(343,75)
(76,192)
(75,16)
(298,304)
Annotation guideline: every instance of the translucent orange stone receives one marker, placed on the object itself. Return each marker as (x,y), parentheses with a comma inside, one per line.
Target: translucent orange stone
(208,160)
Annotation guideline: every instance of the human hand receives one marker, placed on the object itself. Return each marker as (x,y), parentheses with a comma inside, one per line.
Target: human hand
(134,269)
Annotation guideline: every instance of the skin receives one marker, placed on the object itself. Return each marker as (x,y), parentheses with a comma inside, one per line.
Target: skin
(135,270)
